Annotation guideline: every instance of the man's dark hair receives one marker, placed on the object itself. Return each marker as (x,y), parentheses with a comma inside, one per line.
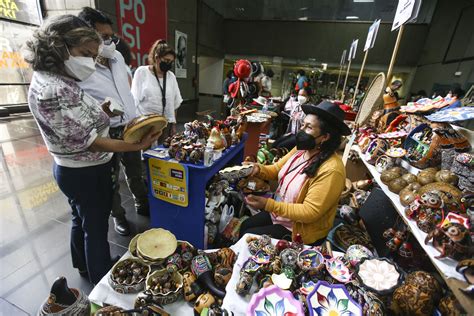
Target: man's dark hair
(301,72)
(124,49)
(92,16)
(269,73)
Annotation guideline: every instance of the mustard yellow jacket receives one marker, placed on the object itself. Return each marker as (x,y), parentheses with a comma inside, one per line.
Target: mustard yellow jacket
(315,208)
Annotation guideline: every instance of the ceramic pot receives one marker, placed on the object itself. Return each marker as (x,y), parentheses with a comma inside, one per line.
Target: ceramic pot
(165,287)
(408,299)
(63,300)
(128,276)
(446,176)
(355,253)
(426,176)
(388,176)
(191,288)
(450,306)
(201,267)
(310,260)
(396,185)
(222,275)
(410,178)
(426,282)
(204,301)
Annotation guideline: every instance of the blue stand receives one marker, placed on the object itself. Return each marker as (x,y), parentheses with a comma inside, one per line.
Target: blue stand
(187,223)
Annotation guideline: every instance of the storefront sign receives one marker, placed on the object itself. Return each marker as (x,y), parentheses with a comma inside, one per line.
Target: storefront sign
(169,181)
(27,11)
(141,23)
(372,35)
(407,11)
(181,43)
(353,50)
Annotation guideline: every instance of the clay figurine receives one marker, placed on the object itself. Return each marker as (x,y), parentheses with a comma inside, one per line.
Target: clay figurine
(63,300)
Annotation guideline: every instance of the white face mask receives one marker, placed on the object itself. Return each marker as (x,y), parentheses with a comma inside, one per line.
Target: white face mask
(302,99)
(79,67)
(107,51)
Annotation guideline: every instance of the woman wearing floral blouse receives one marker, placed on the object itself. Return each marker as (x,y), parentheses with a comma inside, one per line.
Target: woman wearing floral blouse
(75,129)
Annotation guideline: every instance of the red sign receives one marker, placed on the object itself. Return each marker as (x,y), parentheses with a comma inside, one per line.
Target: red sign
(141,23)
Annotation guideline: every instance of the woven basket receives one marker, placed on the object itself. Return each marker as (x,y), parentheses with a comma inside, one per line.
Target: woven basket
(372,100)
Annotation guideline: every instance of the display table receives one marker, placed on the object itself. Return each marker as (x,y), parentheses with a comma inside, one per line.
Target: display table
(445,266)
(103,294)
(177,191)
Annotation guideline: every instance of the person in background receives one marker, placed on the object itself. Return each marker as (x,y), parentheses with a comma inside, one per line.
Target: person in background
(266,83)
(296,112)
(75,129)
(310,181)
(455,102)
(123,48)
(110,80)
(155,88)
(302,81)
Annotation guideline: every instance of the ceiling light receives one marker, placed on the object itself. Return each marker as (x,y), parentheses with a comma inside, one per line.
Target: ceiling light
(240,9)
(352,17)
(304,18)
(362,1)
(303,8)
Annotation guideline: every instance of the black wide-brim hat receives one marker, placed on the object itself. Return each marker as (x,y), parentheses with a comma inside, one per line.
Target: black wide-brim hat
(329,112)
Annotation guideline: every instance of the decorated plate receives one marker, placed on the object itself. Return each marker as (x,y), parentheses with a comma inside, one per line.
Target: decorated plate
(261,257)
(356,253)
(396,152)
(379,275)
(332,300)
(273,301)
(453,115)
(310,259)
(397,134)
(338,270)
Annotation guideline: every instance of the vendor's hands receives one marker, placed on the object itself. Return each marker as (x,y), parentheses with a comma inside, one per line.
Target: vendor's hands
(149,139)
(255,169)
(105,107)
(256,202)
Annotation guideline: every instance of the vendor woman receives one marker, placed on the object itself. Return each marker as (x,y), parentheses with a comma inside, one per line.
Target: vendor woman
(310,180)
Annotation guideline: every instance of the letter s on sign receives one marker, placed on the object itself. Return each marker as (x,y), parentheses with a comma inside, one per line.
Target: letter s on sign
(126,28)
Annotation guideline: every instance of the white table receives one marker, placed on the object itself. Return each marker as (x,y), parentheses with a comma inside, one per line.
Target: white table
(445,266)
(103,293)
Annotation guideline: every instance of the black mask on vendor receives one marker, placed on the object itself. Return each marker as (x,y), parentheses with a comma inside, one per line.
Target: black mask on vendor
(164,66)
(305,141)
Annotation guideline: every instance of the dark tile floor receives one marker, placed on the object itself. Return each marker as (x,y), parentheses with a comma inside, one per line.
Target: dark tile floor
(35,221)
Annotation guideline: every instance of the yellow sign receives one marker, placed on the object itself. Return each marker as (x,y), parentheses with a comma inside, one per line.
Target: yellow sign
(169,181)
(8,9)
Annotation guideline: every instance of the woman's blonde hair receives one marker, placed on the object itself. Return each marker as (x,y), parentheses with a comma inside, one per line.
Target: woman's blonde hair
(159,49)
(48,48)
